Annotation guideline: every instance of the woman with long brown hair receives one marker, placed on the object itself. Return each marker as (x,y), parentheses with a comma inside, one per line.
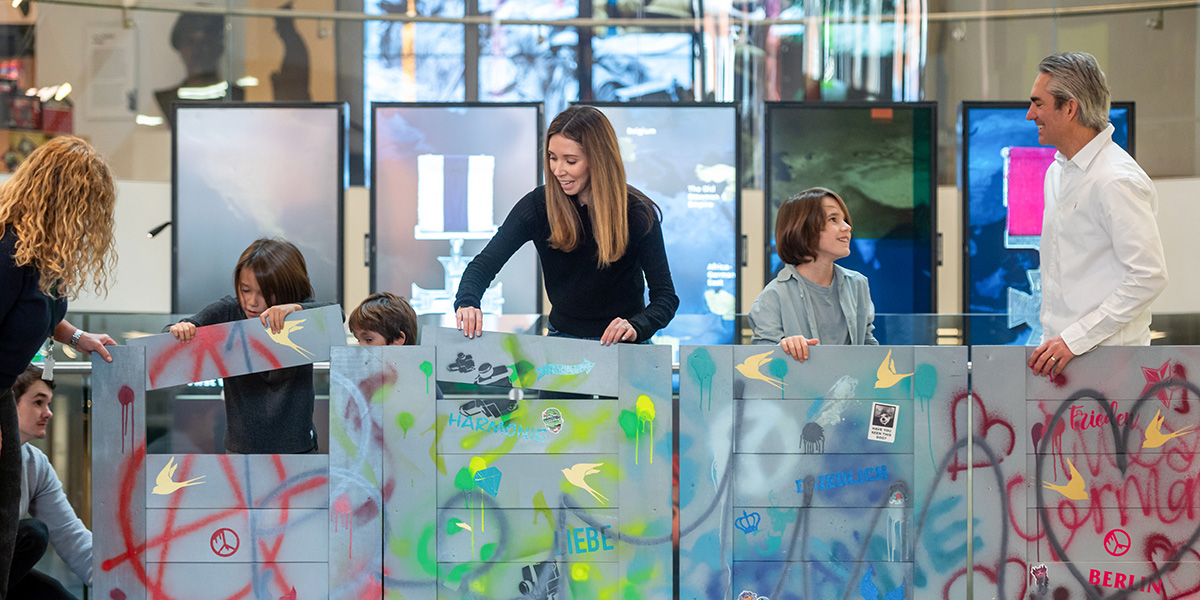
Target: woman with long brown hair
(56,236)
(599,240)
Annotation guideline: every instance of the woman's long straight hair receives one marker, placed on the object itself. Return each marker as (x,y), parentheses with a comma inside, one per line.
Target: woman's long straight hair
(588,127)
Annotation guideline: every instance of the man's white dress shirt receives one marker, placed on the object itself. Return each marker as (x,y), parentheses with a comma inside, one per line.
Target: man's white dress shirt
(1102,259)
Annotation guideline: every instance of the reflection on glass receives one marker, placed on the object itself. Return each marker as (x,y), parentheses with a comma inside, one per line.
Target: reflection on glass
(414,61)
(529,63)
(642,66)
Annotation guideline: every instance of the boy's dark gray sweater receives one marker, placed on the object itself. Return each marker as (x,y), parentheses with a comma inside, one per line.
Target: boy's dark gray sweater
(269,412)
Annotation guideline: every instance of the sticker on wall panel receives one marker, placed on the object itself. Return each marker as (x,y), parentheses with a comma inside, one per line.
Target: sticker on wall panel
(883,422)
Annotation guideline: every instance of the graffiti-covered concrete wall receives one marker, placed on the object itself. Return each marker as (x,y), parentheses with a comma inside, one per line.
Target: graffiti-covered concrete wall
(822,479)
(574,475)
(1089,488)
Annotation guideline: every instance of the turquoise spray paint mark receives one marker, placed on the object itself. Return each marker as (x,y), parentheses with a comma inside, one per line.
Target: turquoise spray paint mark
(925,383)
(701,364)
(778,368)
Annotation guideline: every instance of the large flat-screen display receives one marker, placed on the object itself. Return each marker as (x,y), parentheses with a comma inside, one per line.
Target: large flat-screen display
(443,179)
(881,159)
(685,158)
(1002,168)
(245,171)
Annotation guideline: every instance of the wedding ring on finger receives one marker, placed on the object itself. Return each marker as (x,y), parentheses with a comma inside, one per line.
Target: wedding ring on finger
(1053,359)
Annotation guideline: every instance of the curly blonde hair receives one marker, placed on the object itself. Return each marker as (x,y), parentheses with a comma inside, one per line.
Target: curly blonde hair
(60,204)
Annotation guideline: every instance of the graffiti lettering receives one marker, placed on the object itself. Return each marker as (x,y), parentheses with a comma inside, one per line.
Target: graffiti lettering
(847,478)
(495,426)
(1123,581)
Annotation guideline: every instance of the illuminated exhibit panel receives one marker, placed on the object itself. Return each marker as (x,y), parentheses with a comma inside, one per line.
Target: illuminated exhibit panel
(444,178)
(818,479)
(1003,172)
(245,171)
(685,157)
(880,158)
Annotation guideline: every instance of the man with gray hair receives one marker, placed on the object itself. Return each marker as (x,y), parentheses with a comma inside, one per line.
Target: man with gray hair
(1102,259)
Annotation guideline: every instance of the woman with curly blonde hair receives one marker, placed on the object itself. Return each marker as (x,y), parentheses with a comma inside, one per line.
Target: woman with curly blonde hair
(56,235)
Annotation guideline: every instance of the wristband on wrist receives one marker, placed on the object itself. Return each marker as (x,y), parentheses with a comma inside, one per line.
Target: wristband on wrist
(75,338)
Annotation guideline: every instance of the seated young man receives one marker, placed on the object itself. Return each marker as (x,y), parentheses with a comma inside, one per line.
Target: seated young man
(53,520)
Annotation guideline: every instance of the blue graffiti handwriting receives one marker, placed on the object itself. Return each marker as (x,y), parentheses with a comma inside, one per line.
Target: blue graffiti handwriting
(843,479)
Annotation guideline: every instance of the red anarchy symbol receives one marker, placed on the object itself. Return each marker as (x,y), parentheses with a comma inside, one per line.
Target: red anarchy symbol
(221,542)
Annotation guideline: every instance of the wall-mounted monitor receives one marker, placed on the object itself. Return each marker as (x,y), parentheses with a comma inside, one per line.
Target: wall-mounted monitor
(881,159)
(1002,168)
(685,158)
(245,171)
(443,179)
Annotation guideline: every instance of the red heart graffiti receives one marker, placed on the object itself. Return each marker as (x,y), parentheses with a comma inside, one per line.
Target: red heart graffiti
(984,423)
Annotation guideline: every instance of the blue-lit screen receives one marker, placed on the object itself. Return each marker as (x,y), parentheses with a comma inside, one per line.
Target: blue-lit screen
(880,159)
(684,157)
(1002,166)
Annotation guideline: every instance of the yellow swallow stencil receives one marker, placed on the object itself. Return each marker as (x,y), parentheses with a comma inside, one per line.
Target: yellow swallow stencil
(1076,488)
(1154,435)
(576,475)
(887,375)
(165,485)
(283,337)
(752,369)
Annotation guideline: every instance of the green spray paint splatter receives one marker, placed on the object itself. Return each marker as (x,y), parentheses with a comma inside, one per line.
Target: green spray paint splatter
(400,547)
(583,430)
(425,557)
(526,373)
(645,414)
(629,424)
(405,421)
(925,382)
(464,480)
(455,576)
(487,551)
(439,426)
(540,506)
(453,526)
(522,373)
(427,369)
(701,364)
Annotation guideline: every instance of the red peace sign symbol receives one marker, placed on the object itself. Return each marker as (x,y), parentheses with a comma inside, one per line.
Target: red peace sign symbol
(224,542)
(1117,542)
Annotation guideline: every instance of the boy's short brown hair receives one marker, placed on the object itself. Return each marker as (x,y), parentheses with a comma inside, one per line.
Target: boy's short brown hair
(26,380)
(799,223)
(388,315)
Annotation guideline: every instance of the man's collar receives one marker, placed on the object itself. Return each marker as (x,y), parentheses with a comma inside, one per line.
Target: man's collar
(1083,159)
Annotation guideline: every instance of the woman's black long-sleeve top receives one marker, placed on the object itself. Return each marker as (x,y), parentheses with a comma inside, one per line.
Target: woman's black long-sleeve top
(585,298)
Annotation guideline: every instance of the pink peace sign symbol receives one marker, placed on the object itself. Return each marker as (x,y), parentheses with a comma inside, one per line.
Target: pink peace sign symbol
(224,542)
(1117,542)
